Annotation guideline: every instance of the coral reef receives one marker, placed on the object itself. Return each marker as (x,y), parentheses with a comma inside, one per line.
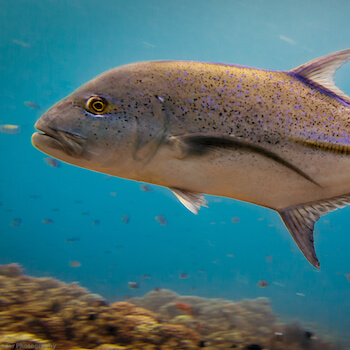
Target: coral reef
(224,324)
(44,313)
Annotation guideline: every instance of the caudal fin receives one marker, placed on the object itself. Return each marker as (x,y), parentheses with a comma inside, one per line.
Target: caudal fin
(300,221)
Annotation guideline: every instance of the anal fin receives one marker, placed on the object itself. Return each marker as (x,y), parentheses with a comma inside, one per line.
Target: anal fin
(193,201)
(300,221)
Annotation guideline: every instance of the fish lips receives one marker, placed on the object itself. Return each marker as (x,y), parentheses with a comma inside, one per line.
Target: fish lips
(51,138)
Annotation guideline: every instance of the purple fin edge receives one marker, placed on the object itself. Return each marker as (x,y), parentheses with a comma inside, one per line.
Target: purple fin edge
(319,88)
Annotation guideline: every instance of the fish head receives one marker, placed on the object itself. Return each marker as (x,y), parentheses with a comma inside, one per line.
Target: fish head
(108,125)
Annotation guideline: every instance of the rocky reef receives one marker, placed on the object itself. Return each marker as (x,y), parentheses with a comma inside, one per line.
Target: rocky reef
(50,314)
(47,313)
(223,324)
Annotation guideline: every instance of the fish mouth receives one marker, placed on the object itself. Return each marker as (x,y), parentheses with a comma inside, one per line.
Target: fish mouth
(49,138)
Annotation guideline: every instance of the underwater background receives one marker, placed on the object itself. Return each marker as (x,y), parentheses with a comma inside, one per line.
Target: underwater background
(72,224)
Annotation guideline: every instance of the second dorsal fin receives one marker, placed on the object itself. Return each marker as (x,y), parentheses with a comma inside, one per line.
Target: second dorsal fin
(321,71)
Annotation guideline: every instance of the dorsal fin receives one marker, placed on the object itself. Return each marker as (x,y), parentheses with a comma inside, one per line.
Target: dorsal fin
(322,70)
(300,221)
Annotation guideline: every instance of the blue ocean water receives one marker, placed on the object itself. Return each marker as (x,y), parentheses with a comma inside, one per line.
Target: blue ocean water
(51,216)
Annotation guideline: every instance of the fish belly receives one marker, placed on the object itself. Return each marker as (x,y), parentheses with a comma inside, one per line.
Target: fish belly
(252,178)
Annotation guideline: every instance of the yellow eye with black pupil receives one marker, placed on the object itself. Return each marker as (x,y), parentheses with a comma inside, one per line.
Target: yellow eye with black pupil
(97,104)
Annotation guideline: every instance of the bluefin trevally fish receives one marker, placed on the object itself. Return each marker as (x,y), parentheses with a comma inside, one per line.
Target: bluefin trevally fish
(278,139)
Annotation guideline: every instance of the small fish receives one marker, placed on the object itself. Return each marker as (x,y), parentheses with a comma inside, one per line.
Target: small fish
(21,43)
(230,255)
(146,277)
(10,129)
(188,309)
(133,285)
(279,284)
(34,196)
(161,220)
(286,39)
(183,275)
(148,44)
(348,277)
(32,105)
(16,222)
(95,222)
(47,221)
(308,335)
(235,219)
(269,258)
(263,284)
(145,188)
(72,240)
(52,162)
(278,139)
(75,263)
(125,219)
(113,194)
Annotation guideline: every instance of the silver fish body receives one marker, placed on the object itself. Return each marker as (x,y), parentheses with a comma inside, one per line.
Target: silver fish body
(277,139)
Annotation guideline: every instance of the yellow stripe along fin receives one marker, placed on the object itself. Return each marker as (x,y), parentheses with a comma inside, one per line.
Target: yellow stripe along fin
(326,146)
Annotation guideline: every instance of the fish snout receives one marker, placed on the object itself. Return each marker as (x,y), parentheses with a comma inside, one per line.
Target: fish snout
(54,135)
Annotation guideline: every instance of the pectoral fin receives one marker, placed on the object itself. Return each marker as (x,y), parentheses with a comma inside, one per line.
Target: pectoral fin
(199,144)
(300,221)
(193,201)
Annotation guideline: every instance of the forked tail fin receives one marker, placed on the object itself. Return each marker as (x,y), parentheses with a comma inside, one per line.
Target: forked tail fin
(300,221)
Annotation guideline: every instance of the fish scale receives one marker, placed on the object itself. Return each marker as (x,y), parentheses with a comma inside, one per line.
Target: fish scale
(279,139)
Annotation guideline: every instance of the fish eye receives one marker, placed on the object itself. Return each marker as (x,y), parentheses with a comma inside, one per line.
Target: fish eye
(96,104)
